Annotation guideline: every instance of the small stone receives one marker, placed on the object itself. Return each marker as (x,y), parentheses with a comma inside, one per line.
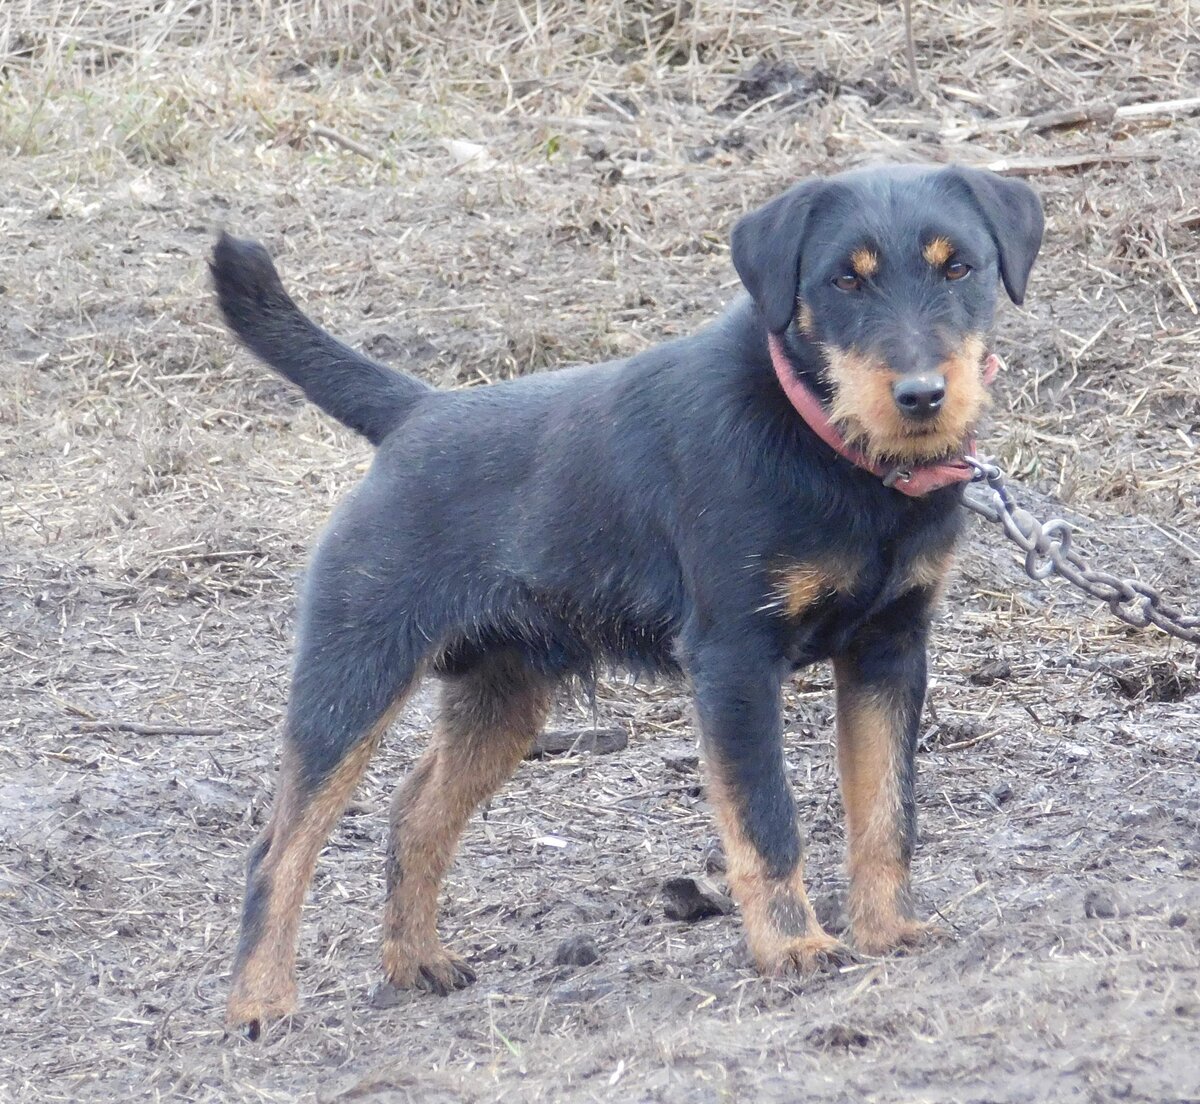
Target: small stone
(383,995)
(714,857)
(1001,793)
(1099,905)
(1137,814)
(578,741)
(576,950)
(692,899)
(997,670)
(831,913)
(682,762)
(1177,920)
(838,1036)
(580,994)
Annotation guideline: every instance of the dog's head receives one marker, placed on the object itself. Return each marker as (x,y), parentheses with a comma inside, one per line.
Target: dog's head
(892,274)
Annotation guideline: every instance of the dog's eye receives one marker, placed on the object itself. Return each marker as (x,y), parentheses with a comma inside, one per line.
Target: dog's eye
(847,281)
(956,270)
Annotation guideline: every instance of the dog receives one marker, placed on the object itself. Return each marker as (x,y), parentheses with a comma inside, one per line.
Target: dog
(781,488)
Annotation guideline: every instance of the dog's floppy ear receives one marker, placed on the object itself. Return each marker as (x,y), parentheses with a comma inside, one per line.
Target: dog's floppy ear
(1013,214)
(767,244)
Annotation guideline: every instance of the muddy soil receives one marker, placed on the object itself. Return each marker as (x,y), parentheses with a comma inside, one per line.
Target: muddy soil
(159,491)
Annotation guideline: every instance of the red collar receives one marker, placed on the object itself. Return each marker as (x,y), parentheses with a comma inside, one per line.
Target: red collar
(914,482)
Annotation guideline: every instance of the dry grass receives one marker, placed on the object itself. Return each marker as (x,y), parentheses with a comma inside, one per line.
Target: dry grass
(158,491)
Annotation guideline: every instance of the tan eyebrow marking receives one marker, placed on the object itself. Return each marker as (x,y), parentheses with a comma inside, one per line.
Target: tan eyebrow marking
(938,251)
(865,262)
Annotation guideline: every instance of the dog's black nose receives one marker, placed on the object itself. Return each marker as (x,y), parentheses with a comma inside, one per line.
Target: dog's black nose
(919,396)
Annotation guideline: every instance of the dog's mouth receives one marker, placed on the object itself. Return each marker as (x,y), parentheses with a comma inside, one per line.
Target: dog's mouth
(864,409)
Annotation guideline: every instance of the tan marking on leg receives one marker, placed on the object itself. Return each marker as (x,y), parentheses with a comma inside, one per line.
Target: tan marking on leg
(865,409)
(865,262)
(488,722)
(782,931)
(869,730)
(264,985)
(938,251)
(801,585)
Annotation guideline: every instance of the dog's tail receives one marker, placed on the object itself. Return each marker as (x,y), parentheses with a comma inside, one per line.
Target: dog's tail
(368,397)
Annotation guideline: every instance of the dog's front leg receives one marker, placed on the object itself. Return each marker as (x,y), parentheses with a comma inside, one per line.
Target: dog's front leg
(738,707)
(880,692)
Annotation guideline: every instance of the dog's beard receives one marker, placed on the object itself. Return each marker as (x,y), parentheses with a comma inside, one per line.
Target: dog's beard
(864,409)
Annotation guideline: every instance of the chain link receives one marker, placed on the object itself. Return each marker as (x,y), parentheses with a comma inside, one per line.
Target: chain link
(1048,551)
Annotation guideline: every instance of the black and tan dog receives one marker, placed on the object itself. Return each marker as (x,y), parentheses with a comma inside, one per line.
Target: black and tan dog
(780,488)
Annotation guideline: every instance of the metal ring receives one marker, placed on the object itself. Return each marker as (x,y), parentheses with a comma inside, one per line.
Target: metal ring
(1037,570)
(1021,527)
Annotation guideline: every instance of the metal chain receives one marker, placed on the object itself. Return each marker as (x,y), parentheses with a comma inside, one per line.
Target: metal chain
(1048,551)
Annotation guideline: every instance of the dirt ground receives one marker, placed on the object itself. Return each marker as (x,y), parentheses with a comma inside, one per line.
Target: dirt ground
(158,491)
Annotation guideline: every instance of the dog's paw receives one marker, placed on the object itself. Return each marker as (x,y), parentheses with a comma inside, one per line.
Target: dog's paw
(437,972)
(251,1008)
(884,937)
(803,955)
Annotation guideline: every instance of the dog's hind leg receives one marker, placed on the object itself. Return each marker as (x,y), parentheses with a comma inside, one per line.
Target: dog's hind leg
(352,674)
(488,719)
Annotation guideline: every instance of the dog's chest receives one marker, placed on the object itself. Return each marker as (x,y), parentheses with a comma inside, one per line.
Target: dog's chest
(823,600)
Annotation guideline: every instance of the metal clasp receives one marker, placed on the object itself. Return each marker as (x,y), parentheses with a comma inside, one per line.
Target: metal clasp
(983,470)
